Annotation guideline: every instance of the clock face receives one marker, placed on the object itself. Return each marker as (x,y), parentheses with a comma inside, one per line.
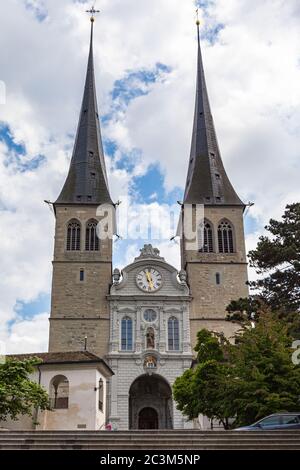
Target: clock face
(149,280)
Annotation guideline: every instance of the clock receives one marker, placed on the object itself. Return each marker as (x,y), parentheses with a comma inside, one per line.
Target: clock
(149,280)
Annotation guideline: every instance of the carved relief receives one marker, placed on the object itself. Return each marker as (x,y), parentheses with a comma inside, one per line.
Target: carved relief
(150,362)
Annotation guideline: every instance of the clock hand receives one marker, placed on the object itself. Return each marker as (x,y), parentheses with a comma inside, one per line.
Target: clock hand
(149,279)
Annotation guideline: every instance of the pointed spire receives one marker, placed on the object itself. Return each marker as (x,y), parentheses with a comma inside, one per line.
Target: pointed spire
(87,182)
(207,182)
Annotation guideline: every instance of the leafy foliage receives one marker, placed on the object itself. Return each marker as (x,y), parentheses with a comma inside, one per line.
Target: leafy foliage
(264,379)
(244,381)
(277,258)
(243,309)
(18,394)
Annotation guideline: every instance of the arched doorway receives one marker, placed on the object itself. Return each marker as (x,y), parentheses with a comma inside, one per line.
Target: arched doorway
(150,403)
(148,419)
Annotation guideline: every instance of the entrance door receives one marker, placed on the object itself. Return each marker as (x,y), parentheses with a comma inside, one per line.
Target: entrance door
(150,403)
(148,419)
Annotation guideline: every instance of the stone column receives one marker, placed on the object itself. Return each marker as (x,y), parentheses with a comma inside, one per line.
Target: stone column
(114,417)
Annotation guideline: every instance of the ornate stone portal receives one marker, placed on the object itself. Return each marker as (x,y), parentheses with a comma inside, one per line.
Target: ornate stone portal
(150,403)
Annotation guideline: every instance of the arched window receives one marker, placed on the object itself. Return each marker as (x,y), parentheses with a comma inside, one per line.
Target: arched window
(225,237)
(73,236)
(205,238)
(126,334)
(173,334)
(91,237)
(218,279)
(59,392)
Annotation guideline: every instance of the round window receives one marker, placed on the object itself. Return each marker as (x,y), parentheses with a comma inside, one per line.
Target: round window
(150,315)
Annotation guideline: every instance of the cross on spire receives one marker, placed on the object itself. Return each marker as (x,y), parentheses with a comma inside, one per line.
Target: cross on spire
(93,12)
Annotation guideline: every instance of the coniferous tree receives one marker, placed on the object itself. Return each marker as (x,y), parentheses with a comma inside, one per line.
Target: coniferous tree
(277,261)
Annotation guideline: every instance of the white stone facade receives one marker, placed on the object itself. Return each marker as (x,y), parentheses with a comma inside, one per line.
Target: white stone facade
(127,300)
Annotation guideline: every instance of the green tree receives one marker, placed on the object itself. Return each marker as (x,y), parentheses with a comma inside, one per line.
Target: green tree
(277,259)
(208,346)
(264,378)
(18,394)
(244,309)
(201,390)
(245,380)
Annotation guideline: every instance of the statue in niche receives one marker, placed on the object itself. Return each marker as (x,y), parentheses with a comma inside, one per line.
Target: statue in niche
(150,338)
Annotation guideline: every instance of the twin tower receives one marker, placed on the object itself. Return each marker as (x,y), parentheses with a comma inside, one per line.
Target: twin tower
(216,267)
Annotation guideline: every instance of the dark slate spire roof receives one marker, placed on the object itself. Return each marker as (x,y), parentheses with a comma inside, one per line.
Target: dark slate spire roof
(86,182)
(207,182)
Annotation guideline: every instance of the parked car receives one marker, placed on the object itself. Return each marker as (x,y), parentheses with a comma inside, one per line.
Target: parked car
(275,421)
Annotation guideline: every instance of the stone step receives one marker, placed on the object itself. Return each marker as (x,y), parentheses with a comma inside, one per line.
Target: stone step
(161,438)
(138,446)
(121,434)
(160,444)
(150,440)
(146,439)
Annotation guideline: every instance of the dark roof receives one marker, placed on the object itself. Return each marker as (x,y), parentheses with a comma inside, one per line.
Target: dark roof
(69,357)
(207,182)
(86,182)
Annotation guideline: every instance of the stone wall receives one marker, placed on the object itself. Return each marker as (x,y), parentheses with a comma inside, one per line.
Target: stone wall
(210,299)
(79,308)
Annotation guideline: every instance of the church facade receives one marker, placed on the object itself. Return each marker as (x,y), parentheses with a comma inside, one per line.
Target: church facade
(143,321)
(149,342)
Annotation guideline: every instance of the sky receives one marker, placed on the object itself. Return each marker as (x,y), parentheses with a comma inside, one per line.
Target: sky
(145,65)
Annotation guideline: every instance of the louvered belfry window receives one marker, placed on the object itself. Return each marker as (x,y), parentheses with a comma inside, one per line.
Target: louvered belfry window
(73,236)
(225,238)
(91,237)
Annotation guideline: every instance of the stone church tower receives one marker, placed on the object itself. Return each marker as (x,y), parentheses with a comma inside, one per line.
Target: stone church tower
(217,266)
(82,266)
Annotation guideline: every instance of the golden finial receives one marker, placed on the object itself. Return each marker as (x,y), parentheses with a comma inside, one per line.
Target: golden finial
(197,17)
(93,12)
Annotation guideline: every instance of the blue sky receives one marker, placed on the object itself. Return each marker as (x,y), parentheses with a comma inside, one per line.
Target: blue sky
(145,61)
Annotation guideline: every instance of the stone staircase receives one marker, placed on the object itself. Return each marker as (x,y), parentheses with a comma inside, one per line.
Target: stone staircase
(150,440)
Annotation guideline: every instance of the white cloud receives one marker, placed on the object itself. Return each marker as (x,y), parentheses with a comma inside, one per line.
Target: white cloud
(253,75)
(27,336)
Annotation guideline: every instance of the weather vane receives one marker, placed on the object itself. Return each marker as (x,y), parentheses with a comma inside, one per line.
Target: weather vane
(93,12)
